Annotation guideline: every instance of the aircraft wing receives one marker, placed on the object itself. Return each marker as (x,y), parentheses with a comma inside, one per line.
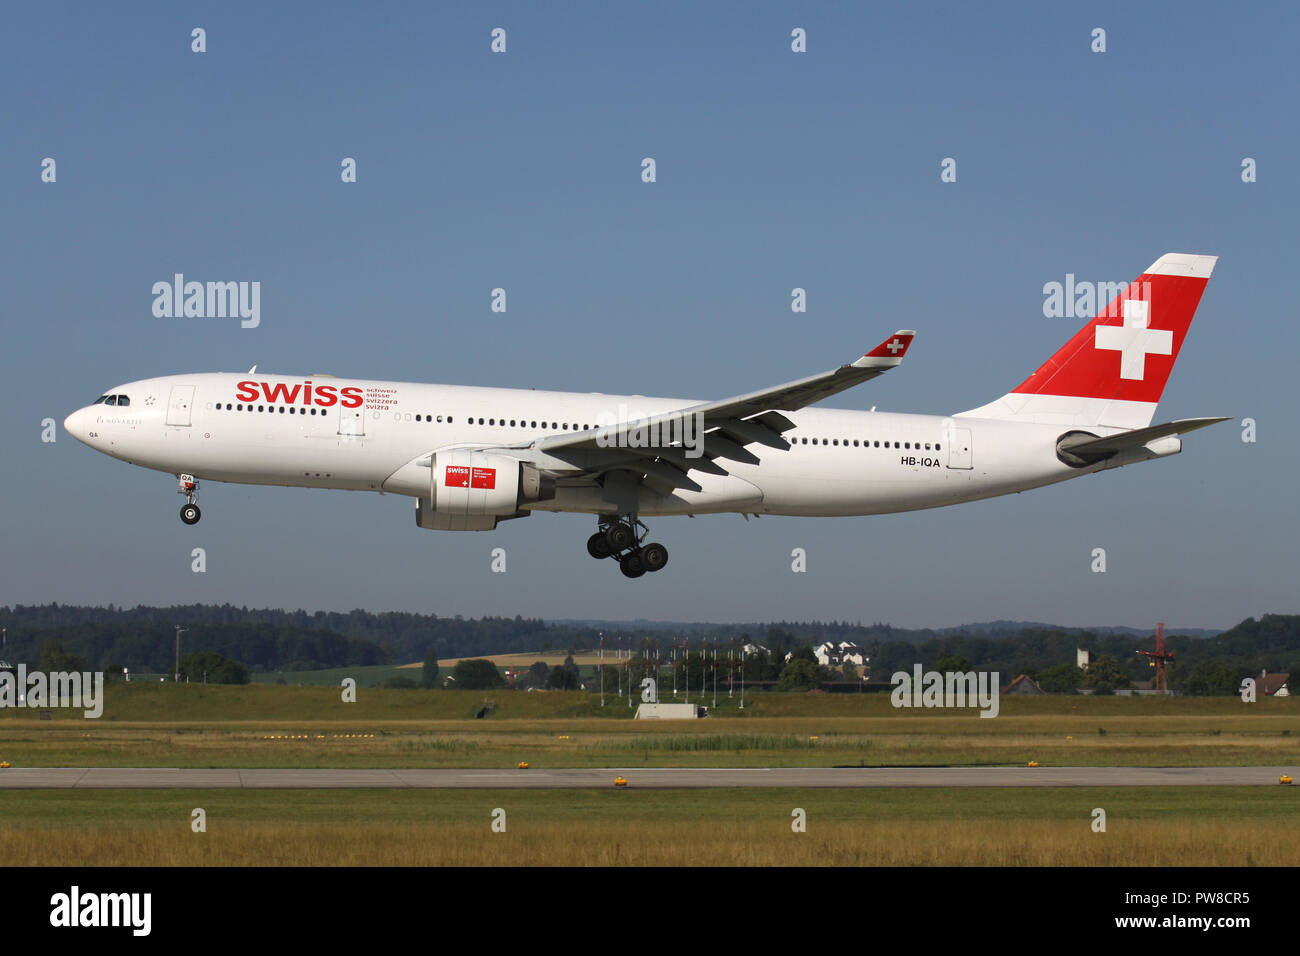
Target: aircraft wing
(727,425)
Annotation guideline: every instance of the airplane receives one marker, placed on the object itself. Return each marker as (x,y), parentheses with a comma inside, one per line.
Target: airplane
(472,457)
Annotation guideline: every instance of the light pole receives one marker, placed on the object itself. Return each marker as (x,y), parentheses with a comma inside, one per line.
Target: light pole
(742,676)
(715,673)
(179,631)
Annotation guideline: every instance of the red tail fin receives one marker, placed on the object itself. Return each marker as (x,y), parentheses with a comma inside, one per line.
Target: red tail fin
(1114,370)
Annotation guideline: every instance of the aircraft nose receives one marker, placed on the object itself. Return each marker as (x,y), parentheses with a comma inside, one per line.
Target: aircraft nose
(75,425)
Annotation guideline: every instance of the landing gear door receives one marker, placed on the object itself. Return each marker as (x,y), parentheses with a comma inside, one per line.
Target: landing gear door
(178,407)
(352,421)
(959,448)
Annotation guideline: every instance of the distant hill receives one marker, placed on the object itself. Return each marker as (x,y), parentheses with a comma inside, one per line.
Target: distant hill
(912,635)
(143,638)
(1014,626)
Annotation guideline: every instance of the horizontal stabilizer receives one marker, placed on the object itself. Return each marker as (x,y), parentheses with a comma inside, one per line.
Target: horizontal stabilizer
(1090,450)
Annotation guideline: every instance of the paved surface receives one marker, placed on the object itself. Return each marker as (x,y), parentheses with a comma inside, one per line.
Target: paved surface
(91,778)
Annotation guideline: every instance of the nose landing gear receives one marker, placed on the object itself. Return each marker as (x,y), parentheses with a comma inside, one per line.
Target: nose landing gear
(621,538)
(189,487)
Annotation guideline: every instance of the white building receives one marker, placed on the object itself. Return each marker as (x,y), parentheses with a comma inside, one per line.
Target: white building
(837,655)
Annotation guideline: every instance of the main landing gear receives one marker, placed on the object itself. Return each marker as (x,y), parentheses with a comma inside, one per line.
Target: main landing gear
(189,487)
(621,538)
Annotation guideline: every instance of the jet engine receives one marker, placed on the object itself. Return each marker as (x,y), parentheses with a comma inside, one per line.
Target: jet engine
(471,490)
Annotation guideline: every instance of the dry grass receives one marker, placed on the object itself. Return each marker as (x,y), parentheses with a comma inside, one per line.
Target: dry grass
(1193,826)
(680,843)
(586,743)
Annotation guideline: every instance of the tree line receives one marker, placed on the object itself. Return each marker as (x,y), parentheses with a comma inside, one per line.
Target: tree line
(143,639)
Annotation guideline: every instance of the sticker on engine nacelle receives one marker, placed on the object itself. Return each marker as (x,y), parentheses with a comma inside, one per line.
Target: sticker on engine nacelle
(460,476)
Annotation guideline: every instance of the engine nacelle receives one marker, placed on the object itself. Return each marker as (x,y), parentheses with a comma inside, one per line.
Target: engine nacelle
(471,490)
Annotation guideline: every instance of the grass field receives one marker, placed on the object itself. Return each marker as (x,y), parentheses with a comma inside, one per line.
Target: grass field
(267,726)
(264,725)
(1203,826)
(584,659)
(209,703)
(585,743)
(333,676)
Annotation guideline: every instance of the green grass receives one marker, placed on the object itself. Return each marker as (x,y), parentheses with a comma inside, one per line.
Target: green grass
(261,725)
(712,743)
(211,703)
(333,676)
(823,742)
(80,809)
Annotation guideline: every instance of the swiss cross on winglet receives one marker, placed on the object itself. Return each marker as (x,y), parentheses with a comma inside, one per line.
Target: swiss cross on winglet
(890,351)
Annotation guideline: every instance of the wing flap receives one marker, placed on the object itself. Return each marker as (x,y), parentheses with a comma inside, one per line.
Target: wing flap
(677,457)
(717,445)
(748,430)
(668,475)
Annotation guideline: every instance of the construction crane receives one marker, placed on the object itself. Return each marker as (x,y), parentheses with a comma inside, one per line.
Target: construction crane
(1158,659)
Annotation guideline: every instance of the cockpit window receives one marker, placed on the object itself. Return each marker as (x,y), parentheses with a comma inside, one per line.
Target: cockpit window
(100,401)
(123,400)
(111,400)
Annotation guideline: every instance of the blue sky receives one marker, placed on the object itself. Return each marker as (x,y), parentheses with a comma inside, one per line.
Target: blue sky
(775,170)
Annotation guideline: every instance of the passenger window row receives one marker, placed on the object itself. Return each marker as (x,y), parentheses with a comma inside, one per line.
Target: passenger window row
(120,400)
(864,443)
(522,423)
(510,423)
(292,410)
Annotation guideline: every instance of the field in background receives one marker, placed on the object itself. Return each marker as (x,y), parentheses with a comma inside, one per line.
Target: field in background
(333,676)
(215,703)
(584,659)
(151,725)
(372,676)
(1195,826)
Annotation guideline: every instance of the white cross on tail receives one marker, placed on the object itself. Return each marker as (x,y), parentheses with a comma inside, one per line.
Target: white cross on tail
(1133,340)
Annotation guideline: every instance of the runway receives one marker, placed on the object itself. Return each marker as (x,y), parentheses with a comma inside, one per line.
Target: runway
(146,778)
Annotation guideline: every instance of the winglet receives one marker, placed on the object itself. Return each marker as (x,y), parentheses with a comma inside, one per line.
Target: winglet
(889,352)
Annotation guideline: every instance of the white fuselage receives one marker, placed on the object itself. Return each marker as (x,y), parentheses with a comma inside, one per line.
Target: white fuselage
(840,462)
